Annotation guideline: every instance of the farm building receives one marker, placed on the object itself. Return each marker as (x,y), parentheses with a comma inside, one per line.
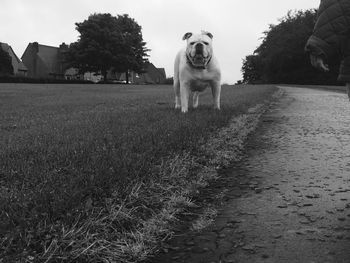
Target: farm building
(45,61)
(19,69)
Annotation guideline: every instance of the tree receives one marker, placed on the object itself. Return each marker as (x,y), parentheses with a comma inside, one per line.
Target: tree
(133,48)
(281,58)
(251,69)
(6,67)
(108,42)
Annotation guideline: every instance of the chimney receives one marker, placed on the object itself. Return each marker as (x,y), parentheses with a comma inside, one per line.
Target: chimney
(36,47)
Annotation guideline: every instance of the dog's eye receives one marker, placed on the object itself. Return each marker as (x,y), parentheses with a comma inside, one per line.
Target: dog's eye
(206,43)
(192,43)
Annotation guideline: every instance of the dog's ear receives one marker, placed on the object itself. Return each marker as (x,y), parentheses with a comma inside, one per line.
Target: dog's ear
(187,36)
(209,34)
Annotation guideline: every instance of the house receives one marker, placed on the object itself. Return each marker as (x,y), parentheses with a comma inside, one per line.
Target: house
(45,61)
(151,75)
(19,69)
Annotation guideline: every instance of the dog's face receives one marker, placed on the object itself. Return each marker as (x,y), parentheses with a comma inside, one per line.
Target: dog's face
(199,48)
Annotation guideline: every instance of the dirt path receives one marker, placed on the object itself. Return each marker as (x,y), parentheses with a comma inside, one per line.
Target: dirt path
(289,198)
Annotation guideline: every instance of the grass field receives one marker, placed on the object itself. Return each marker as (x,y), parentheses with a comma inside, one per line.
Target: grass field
(95,173)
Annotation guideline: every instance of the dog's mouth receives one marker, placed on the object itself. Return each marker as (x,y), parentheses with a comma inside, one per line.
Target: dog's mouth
(198,60)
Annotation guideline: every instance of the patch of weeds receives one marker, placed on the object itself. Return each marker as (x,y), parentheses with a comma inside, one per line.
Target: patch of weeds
(206,218)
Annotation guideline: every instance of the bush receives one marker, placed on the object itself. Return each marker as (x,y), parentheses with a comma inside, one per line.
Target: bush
(169,81)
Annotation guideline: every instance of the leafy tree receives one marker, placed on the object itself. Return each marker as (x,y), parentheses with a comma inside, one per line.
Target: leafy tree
(281,58)
(6,67)
(108,42)
(251,69)
(133,48)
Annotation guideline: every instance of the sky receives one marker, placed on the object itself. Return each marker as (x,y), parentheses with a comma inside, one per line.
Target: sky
(237,26)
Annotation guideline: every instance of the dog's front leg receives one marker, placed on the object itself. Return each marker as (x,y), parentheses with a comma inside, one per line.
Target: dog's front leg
(185,94)
(195,99)
(177,93)
(216,91)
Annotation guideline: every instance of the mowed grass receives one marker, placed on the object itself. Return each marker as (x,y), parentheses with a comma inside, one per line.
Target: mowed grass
(94,173)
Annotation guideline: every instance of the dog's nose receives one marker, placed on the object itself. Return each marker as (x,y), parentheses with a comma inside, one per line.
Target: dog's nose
(199,48)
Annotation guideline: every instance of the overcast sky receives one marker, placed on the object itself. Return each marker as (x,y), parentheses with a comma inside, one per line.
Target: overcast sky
(237,26)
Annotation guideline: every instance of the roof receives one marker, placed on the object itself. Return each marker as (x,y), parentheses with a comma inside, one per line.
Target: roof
(154,71)
(48,54)
(7,48)
(162,71)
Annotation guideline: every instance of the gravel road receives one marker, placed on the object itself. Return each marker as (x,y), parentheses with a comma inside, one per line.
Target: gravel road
(288,200)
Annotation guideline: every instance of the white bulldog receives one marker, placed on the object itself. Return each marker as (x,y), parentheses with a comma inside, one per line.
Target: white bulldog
(196,68)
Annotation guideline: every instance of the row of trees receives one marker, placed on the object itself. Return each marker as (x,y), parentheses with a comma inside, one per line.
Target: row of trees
(281,57)
(107,42)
